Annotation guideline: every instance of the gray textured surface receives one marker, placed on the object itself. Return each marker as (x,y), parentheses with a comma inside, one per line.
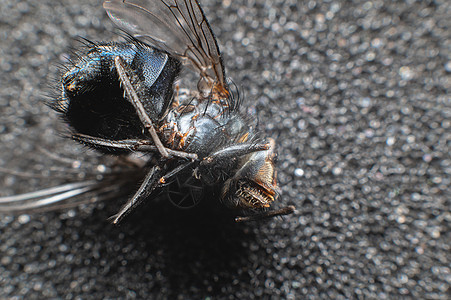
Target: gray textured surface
(354,94)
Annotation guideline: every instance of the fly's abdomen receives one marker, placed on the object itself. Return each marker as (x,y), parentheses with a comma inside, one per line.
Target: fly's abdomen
(93,100)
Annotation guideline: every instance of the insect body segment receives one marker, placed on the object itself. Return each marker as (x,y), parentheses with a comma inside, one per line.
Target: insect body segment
(254,183)
(119,98)
(92,98)
(215,144)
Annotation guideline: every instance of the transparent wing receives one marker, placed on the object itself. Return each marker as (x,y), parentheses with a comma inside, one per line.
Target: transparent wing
(69,195)
(178,27)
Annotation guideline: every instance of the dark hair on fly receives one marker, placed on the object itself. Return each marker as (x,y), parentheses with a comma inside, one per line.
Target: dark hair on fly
(232,102)
(52,97)
(235,95)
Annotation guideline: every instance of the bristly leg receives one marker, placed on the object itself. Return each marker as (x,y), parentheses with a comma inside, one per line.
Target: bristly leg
(153,180)
(267,214)
(132,96)
(235,151)
(129,144)
(150,183)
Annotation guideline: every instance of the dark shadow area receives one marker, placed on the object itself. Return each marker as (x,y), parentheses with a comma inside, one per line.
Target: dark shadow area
(183,251)
(354,97)
(193,244)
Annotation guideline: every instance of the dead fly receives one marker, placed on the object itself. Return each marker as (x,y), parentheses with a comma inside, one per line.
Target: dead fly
(119,99)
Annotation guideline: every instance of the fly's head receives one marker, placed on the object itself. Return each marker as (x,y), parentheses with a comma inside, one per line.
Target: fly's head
(254,185)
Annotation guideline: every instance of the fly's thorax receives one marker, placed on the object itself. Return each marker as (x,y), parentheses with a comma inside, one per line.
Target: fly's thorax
(201,127)
(254,184)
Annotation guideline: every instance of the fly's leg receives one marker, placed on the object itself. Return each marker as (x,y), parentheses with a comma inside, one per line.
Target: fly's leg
(130,144)
(267,214)
(96,142)
(150,183)
(133,98)
(174,172)
(234,151)
(142,114)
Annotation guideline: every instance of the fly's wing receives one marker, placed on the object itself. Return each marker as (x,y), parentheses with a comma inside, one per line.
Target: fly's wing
(69,195)
(178,27)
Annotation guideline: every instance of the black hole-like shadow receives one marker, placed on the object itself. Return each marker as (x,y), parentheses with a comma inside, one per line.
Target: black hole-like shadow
(190,249)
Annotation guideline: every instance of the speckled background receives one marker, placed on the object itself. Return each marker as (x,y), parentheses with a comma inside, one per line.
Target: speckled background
(353,92)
